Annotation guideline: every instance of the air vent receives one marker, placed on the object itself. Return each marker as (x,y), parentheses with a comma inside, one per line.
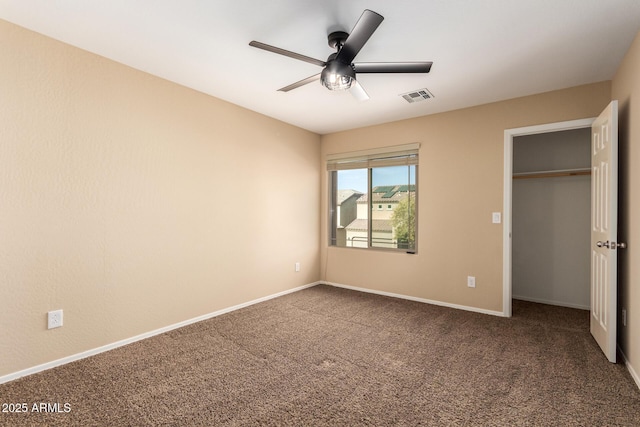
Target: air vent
(417,95)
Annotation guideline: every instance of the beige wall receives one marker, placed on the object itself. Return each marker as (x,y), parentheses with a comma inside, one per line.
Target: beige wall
(460,185)
(626,89)
(133,203)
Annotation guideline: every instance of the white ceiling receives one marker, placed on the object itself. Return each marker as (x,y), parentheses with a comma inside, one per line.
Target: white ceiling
(483,50)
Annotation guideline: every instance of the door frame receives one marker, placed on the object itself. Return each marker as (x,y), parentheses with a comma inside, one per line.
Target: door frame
(509,134)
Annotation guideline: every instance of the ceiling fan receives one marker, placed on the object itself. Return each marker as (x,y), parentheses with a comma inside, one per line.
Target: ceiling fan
(339,72)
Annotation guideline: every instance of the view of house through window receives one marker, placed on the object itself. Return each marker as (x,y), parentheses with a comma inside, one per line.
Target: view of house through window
(374,206)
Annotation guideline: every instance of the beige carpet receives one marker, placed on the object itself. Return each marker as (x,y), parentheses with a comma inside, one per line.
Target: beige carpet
(329,356)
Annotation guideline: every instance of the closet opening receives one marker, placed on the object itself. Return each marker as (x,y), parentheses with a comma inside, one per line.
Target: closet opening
(551,215)
(547,210)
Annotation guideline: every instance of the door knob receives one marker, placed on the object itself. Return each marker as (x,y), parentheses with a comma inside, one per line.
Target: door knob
(611,245)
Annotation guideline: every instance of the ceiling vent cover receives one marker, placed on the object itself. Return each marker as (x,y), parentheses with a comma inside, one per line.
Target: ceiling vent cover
(417,95)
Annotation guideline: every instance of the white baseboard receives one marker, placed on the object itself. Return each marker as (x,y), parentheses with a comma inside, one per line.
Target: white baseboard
(632,371)
(102,349)
(423,300)
(548,302)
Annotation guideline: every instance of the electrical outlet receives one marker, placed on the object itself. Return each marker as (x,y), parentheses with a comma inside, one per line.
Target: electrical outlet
(624,317)
(471,281)
(297,266)
(54,319)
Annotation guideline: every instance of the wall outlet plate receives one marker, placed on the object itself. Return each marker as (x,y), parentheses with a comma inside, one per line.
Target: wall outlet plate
(471,281)
(54,319)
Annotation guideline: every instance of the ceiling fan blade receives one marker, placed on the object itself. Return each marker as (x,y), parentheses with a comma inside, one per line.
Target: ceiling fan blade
(358,92)
(392,67)
(300,83)
(284,52)
(364,28)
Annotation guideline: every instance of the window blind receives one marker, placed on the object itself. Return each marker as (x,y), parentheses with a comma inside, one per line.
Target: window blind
(399,155)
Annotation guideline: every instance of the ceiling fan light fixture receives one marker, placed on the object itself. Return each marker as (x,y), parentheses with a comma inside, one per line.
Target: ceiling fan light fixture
(337,82)
(337,76)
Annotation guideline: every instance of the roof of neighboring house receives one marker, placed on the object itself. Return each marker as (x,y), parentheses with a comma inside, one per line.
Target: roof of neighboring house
(388,193)
(376,224)
(345,194)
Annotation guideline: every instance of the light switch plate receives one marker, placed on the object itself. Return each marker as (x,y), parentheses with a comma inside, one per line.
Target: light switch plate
(496,217)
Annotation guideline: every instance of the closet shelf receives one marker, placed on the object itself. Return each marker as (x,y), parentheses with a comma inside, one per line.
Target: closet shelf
(552,173)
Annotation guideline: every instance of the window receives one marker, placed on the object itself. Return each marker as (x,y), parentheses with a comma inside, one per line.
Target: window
(361,185)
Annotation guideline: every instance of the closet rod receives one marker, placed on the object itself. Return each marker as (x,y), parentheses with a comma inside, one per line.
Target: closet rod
(552,173)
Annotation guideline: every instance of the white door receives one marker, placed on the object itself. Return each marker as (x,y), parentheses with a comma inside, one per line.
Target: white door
(604,229)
